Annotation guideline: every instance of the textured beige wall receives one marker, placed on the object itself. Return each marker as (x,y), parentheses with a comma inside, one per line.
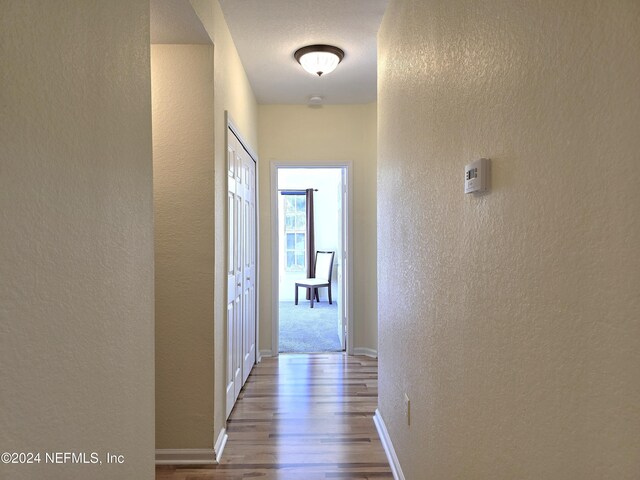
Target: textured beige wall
(232,92)
(182,98)
(510,319)
(333,133)
(76,236)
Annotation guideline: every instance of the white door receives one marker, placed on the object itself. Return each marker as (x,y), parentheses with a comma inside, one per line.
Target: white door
(241,294)
(248,265)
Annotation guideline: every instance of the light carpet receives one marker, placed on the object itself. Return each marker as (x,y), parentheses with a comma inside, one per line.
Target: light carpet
(304,329)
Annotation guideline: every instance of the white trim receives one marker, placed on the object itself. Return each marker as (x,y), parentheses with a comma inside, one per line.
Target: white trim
(265,353)
(396,469)
(186,456)
(275,281)
(350,286)
(369,352)
(221,442)
(193,456)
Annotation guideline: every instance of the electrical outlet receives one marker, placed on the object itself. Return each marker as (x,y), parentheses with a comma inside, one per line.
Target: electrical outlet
(407,408)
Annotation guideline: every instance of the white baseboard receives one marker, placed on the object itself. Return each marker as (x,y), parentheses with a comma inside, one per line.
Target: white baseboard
(369,352)
(185,456)
(221,442)
(265,353)
(193,456)
(388,446)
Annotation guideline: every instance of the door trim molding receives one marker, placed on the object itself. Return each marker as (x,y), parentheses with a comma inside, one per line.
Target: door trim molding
(275,286)
(383,433)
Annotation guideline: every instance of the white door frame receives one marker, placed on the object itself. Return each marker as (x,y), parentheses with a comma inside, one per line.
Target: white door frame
(275,247)
(231,125)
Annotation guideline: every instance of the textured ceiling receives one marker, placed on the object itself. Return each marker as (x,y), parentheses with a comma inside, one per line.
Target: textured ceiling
(174,21)
(268,32)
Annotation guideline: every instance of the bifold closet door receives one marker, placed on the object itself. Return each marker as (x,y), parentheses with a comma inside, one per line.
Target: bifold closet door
(241,268)
(249,266)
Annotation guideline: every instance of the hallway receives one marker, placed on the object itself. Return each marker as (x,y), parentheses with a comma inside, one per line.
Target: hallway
(306,416)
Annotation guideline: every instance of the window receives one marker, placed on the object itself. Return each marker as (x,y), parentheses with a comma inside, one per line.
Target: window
(295,224)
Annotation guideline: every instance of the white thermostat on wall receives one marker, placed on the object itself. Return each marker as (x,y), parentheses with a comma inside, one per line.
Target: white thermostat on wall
(476,176)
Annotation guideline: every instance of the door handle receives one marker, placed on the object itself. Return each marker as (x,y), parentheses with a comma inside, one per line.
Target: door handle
(239,284)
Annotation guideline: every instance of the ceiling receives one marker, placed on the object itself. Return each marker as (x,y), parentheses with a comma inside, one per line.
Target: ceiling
(174,21)
(268,32)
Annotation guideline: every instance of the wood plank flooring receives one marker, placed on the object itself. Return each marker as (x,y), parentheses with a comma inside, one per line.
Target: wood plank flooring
(301,417)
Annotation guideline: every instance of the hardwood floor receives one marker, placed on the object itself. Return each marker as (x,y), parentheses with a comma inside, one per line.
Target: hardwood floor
(301,417)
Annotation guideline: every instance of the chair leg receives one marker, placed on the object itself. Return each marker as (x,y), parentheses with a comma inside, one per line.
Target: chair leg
(317,295)
(330,302)
(312,296)
(296,294)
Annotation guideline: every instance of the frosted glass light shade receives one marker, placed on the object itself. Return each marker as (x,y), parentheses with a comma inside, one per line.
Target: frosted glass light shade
(319,59)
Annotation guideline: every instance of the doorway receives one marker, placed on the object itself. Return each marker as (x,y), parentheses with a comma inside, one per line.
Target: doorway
(311,233)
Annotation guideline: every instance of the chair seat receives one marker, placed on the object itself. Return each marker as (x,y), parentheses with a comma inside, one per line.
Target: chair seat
(312,282)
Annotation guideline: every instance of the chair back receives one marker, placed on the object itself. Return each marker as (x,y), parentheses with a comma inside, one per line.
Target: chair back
(324,265)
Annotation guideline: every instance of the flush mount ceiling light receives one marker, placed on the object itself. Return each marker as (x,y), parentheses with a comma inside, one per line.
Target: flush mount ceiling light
(319,59)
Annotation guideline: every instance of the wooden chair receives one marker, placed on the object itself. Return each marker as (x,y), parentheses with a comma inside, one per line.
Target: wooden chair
(323,269)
